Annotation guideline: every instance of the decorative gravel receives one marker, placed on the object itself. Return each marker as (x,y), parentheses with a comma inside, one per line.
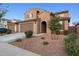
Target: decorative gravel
(35,44)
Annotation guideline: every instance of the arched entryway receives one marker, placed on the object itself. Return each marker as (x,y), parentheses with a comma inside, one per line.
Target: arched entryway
(43,27)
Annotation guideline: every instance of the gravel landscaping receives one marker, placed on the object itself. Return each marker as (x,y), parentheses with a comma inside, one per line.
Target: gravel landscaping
(43,45)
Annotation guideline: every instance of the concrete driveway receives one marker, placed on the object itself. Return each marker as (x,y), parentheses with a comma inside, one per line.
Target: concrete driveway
(11,37)
(10,50)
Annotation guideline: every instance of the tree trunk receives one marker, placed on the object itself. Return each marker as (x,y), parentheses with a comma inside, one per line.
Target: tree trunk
(58,35)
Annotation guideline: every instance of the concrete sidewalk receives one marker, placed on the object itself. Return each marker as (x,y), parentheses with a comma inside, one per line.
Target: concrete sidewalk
(10,50)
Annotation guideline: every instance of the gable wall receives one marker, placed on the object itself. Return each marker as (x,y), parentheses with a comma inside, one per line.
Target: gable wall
(33,12)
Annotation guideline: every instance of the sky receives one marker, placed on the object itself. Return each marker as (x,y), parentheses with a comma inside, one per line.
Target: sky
(16,11)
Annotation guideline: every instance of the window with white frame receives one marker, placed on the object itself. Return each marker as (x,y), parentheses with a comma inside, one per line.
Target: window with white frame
(30,15)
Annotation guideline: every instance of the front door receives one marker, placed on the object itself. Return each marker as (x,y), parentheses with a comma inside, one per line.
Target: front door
(43,27)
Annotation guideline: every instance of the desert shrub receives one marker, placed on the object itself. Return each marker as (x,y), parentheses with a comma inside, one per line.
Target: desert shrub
(18,40)
(42,37)
(66,32)
(70,45)
(8,31)
(28,34)
(72,36)
(45,43)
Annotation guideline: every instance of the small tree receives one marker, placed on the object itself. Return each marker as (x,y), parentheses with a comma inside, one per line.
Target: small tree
(3,11)
(54,25)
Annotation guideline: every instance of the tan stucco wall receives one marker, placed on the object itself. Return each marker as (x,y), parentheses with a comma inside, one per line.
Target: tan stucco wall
(65,22)
(26,14)
(11,26)
(45,16)
(42,16)
(36,26)
(66,25)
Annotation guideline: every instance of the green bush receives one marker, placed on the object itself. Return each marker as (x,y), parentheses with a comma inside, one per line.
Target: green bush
(28,34)
(72,36)
(18,40)
(66,32)
(45,43)
(70,45)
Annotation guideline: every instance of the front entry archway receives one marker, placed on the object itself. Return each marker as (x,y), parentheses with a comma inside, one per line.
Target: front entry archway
(43,27)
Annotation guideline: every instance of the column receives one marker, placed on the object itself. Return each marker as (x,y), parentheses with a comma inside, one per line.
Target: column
(19,27)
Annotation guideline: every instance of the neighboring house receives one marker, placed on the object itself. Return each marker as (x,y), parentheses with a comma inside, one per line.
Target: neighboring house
(12,25)
(74,28)
(77,28)
(37,20)
(3,23)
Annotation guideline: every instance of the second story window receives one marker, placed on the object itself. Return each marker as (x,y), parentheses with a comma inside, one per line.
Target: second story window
(30,15)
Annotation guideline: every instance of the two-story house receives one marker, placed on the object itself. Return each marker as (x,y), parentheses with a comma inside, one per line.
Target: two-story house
(37,20)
